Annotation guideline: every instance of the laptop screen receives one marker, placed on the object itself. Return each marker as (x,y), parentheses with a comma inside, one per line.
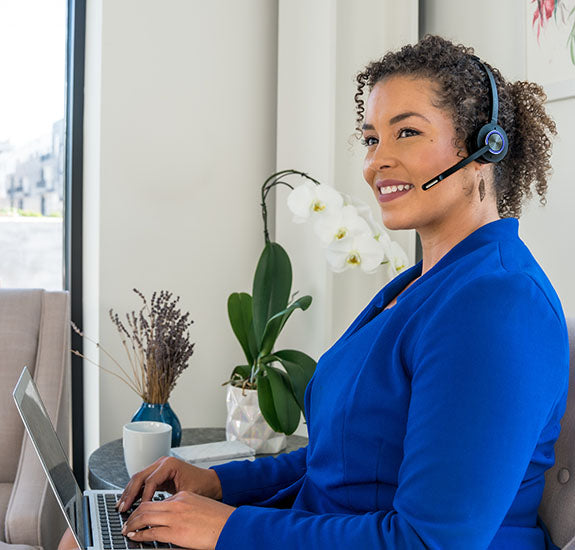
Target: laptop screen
(50,452)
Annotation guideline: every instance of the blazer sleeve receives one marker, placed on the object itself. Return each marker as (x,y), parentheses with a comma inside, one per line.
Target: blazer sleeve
(249,482)
(489,372)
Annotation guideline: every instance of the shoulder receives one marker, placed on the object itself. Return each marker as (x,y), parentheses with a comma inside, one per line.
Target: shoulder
(502,277)
(503,325)
(504,306)
(501,295)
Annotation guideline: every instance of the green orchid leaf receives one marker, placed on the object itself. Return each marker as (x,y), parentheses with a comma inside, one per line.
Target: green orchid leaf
(240,315)
(252,340)
(242,371)
(300,368)
(272,286)
(276,323)
(266,403)
(285,405)
(301,303)
(264,360)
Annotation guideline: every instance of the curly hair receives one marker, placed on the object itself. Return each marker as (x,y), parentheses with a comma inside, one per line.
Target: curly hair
(464,91)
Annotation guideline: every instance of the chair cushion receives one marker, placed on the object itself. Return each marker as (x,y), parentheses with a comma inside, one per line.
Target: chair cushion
(5,546)
(5,491)
(33,516)
(558,502)
(19,329)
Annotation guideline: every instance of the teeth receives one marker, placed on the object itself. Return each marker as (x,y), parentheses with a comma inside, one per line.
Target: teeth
(395,188)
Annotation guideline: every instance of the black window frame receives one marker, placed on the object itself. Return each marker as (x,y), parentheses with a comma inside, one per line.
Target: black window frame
(73,204)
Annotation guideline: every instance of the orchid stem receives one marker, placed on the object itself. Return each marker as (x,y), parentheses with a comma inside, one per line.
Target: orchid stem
(271,182)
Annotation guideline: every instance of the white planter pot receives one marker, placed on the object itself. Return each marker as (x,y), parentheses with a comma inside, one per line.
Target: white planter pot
(246,423)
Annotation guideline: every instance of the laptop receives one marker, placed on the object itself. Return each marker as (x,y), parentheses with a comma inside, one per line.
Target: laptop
(92,515)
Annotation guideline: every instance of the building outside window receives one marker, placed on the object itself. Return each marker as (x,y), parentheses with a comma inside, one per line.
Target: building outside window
(32,142)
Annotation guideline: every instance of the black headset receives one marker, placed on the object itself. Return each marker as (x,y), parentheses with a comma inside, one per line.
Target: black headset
(492,143)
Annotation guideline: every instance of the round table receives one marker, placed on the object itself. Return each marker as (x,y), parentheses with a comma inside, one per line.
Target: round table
(106,468)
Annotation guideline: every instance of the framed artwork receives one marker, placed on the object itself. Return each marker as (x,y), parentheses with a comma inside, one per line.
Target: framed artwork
(550,48)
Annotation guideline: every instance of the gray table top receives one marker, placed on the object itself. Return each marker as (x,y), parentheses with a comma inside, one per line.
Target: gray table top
(106,468)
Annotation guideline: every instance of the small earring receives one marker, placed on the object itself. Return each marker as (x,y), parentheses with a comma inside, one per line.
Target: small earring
(481,190)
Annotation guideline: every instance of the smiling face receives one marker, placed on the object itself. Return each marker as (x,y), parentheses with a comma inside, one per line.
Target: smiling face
(409,141)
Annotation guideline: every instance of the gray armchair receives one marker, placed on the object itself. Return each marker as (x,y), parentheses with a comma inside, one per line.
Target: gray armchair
(557,507)
(34,331)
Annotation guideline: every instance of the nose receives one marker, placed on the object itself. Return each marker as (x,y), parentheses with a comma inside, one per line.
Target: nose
(380,158)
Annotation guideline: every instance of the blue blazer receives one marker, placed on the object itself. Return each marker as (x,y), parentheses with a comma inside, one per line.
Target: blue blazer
(431,424)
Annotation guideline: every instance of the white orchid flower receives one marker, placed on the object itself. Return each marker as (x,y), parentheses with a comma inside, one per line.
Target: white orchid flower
(364,211)
(397,260)
(362,208)
(341,223)
(361,251)
(394,255)
(309,199)
(382,236)
(379,233)
(348,229)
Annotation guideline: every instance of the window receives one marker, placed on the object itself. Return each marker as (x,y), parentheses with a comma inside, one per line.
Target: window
(32,142)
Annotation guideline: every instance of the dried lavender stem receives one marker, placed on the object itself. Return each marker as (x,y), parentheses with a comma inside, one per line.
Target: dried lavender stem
(128,382)
(97,344)
(136,379)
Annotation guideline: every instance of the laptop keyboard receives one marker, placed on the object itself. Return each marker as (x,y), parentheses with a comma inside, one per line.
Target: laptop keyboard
(111,523)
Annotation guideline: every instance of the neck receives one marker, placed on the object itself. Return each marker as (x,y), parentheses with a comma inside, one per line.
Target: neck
(437,241)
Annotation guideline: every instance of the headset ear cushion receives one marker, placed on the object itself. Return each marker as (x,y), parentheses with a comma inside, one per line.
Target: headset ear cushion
(495,137)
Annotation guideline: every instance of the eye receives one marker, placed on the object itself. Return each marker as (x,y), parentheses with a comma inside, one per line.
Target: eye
(407,132)
(369,141)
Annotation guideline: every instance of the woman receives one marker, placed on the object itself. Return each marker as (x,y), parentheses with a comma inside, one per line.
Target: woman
(433,418)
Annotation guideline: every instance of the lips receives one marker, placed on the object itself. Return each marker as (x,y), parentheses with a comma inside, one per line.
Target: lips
(392,189)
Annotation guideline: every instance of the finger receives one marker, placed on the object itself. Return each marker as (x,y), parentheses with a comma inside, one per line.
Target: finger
(146,518)
(135,486)
(151,506)
(156,478)
(148,508)
(160,534)
(131,493)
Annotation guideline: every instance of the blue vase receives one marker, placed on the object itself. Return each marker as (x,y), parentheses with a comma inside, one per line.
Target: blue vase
(161,412)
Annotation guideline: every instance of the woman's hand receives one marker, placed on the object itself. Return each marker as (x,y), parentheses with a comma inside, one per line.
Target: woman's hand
(68,542)
(172,475)
(185,519)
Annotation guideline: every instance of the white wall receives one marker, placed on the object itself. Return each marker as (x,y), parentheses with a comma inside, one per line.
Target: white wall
(494,28)
(546,230)
(322,45)
(367,29)
(182,127)
(180,132)
(305,137)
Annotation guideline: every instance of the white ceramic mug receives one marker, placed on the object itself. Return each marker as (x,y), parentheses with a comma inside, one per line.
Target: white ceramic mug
(145,442)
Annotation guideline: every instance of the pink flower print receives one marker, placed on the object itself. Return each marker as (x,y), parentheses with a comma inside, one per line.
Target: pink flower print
(544,11)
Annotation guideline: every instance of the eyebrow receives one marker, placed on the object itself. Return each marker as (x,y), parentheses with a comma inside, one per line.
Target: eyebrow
(397,118)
